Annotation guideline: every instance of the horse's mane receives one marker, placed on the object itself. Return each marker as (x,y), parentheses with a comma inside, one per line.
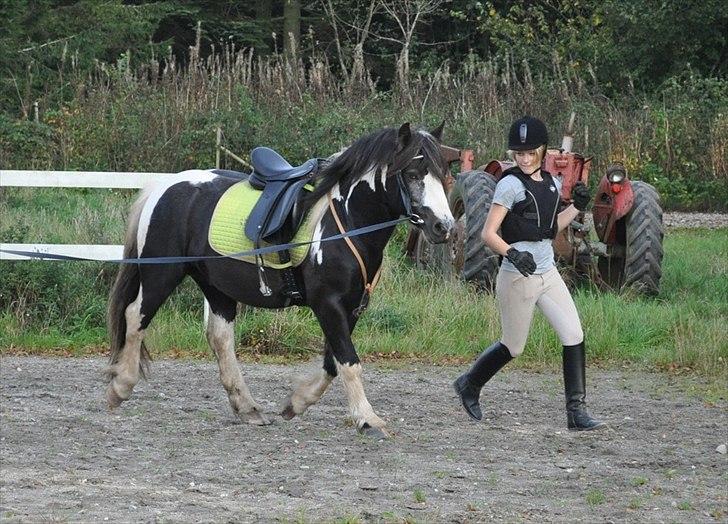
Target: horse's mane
(372,151)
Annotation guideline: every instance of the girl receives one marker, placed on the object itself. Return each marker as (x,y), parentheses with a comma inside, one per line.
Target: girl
(525,209)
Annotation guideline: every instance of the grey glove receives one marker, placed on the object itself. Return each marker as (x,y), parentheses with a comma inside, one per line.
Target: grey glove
(523,260)
(581,196)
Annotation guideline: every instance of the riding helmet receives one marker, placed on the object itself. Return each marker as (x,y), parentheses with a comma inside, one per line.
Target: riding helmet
(527,133)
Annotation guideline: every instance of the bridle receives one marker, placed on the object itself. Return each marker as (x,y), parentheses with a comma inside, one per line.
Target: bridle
(406,196)
(413,218)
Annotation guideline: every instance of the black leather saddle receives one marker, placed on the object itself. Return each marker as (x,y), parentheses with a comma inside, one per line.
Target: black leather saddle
(281,184)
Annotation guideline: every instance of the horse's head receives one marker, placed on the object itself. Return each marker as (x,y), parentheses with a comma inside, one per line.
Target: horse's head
(421,169)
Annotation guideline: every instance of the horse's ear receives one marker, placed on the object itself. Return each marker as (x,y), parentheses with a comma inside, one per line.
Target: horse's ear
(437,132)
(404,135)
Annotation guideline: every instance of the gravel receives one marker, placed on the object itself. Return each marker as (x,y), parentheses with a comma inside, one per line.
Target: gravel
(174,452)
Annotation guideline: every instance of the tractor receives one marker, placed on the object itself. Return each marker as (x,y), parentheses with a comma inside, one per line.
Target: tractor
(626,216)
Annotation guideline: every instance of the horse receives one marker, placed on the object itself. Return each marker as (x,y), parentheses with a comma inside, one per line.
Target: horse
(369,182)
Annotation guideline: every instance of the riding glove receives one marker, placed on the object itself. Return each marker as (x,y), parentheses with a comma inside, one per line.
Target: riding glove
(581,196)
(523,260)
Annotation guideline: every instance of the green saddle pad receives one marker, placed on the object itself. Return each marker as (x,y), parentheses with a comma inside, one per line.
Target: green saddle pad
(227,228)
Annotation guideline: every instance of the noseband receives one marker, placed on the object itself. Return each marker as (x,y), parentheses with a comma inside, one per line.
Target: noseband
(406,197)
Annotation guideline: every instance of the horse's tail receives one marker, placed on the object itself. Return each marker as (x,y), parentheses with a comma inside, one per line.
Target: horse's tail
(125,291)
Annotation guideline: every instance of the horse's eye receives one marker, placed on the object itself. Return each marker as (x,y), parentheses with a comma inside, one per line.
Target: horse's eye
(413,175)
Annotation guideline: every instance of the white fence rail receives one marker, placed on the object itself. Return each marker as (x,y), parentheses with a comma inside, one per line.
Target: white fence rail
(88,179)
(97,179)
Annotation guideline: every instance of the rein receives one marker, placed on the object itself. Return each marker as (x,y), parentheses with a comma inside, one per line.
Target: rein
(186,259)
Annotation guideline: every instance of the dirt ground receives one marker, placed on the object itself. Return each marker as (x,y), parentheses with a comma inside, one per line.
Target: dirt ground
(175,453)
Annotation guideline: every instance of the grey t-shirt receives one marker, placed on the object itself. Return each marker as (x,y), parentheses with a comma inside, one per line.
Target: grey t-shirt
(509,191)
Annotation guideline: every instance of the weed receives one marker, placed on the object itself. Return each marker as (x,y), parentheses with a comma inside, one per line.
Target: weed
(638,481)
(594,497)
(635,503)
(419,495)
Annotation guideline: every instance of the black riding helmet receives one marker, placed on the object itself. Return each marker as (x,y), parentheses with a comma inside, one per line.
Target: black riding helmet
(527,133)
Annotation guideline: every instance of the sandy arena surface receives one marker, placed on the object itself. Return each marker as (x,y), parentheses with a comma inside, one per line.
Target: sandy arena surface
(174,451)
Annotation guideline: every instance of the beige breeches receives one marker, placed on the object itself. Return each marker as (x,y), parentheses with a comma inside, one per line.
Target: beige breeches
(518,295)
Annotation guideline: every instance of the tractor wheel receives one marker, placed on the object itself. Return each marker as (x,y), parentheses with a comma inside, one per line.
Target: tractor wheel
(641,232)
(470,201)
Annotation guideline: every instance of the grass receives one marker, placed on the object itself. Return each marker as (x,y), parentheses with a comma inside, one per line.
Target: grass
(638,481)
(58,307)
(419,496)
(595,497)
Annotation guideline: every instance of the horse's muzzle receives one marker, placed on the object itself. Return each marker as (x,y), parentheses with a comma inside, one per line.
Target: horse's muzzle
(438,231)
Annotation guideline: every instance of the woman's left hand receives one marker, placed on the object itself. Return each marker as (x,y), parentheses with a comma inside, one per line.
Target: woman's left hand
(581,196)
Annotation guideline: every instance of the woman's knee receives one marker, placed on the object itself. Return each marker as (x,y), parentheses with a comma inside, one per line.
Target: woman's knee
(572,337)
(515,347)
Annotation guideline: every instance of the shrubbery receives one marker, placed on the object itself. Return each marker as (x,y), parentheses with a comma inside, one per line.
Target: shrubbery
(126,119)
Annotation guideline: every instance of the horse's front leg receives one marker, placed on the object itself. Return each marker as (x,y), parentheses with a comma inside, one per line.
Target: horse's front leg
(309,390)
(336,326)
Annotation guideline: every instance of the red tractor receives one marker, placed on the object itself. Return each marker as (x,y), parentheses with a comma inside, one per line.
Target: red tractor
(626,215)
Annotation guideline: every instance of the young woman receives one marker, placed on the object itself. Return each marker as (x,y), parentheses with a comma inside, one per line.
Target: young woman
(525,209)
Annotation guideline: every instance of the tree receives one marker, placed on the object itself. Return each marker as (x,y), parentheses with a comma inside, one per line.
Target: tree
(291,27)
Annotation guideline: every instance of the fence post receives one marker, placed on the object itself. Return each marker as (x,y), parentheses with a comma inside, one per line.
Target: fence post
(218,143)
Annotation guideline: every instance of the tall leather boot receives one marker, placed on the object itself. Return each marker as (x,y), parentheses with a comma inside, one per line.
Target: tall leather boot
(578,418)
(468,385)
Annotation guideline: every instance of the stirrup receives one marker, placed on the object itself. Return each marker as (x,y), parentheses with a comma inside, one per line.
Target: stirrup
(265,289)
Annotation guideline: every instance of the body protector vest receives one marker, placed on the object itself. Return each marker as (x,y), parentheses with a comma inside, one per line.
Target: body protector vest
(533,218)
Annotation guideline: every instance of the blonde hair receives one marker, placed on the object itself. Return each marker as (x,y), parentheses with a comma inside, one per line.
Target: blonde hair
(540,151)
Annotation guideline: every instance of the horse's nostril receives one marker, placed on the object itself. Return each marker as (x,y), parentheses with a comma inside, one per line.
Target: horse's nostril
(440,227)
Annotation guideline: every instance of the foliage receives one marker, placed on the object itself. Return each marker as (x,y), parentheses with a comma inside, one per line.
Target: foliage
(27,143)
(46,43)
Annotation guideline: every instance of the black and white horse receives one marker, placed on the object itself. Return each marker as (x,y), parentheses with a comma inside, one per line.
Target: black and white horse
(173,219)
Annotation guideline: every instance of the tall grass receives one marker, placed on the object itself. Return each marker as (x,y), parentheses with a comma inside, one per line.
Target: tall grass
(162,115)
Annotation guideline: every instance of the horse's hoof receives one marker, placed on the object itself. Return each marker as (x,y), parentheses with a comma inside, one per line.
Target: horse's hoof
(372,432)
(112,398)
(256,418)
(288,412)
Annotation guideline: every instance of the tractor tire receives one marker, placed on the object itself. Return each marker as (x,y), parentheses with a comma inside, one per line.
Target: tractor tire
(641,232)
(470,200)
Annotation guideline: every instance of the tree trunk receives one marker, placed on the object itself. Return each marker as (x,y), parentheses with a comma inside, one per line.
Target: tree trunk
(291,27)
(263,13)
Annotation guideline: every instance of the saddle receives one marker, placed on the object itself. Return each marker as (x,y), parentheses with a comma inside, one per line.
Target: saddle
(273,218)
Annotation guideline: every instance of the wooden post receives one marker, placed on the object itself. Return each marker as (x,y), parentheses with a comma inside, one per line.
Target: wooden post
(218,143)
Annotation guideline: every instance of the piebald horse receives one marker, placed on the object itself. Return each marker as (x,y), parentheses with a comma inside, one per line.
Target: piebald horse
(369,183)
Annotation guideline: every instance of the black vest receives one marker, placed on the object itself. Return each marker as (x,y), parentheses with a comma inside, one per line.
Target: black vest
(535,217)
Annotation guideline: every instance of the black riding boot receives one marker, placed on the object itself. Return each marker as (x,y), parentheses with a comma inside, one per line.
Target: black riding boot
(578,418)
(468,385)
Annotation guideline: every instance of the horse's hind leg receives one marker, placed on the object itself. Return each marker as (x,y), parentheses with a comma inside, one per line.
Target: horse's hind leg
(311,389)
(127,367)
(125,371)
(220,334)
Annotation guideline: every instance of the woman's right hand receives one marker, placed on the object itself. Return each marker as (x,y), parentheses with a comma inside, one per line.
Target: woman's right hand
(522,260)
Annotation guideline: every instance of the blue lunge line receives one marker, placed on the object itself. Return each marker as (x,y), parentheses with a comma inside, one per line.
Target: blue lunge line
(179,260)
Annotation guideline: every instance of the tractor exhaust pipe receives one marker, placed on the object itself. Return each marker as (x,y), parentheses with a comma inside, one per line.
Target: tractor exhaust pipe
(567,143)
